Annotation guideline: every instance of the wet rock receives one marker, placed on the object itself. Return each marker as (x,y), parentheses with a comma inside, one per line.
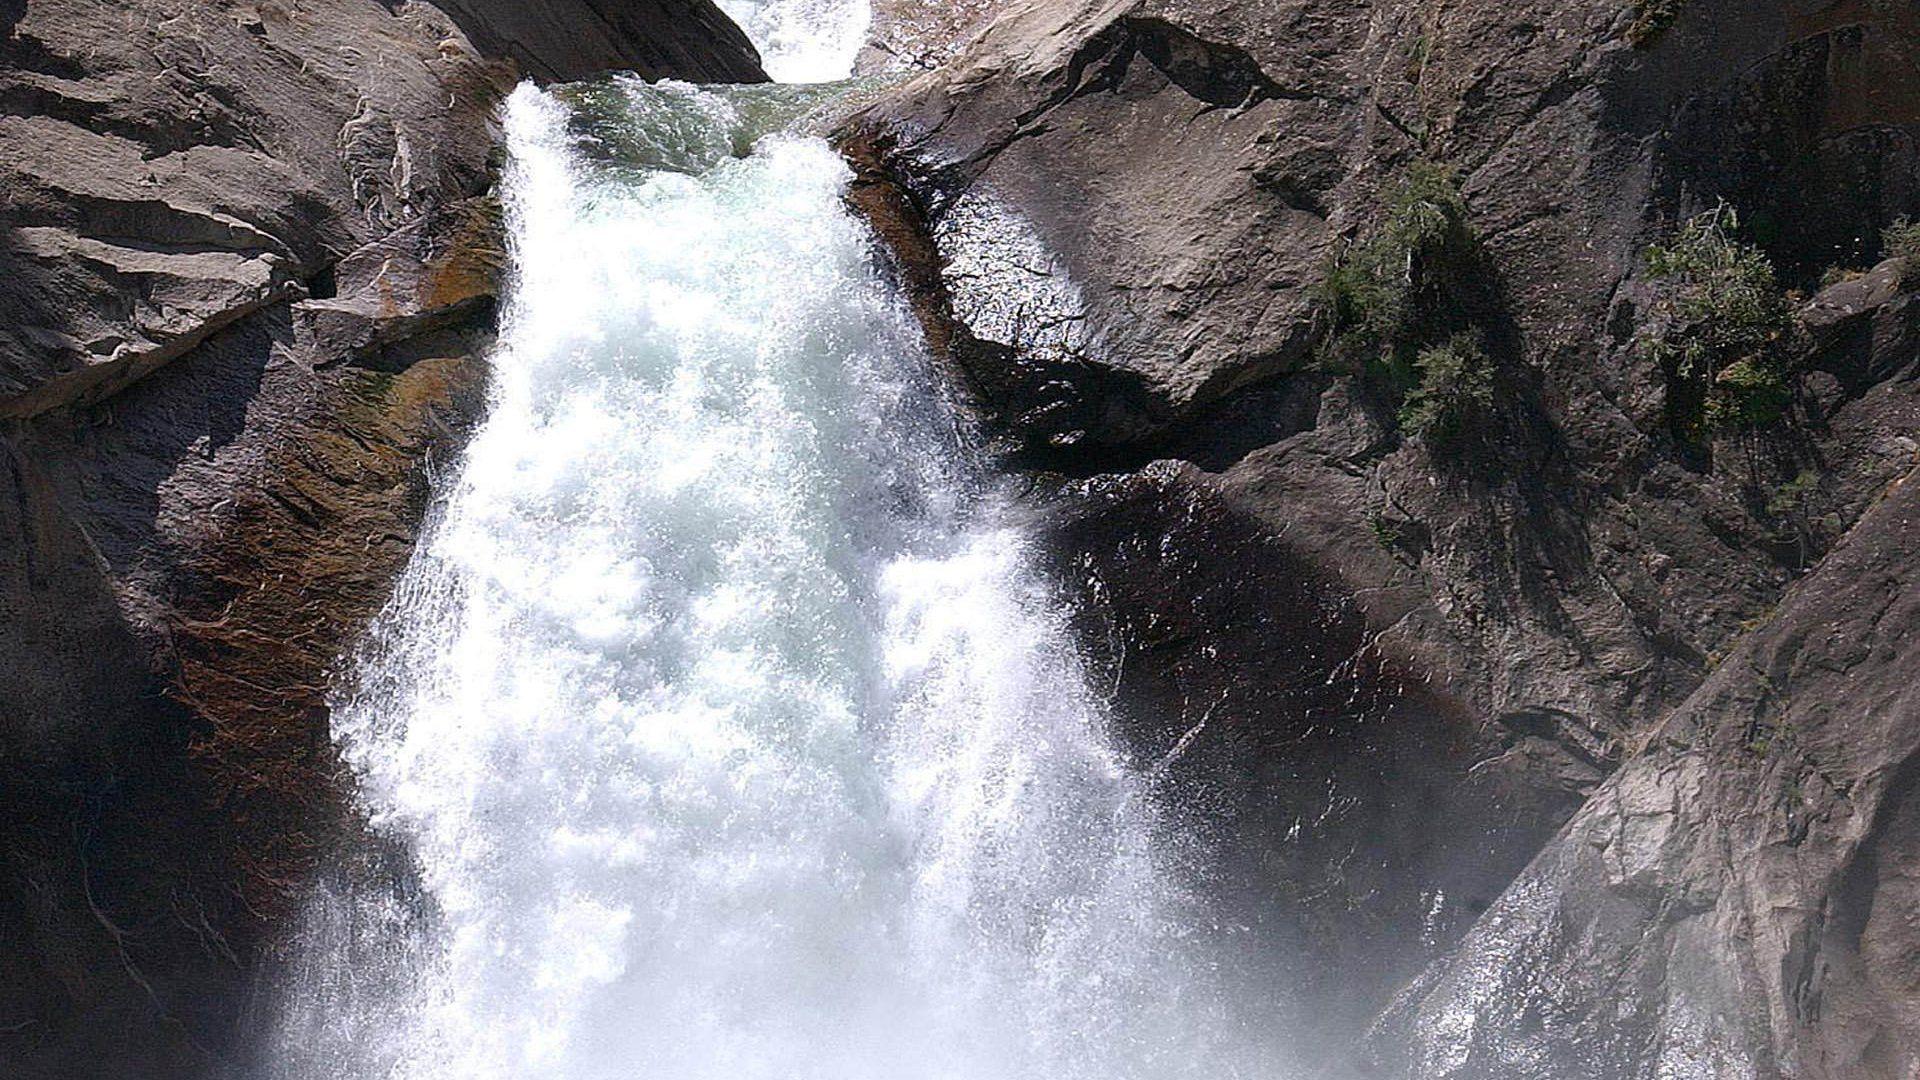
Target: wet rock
(1176,179)
(247,265)
(1354,821)
(564,40)
(908,35)
(185,588)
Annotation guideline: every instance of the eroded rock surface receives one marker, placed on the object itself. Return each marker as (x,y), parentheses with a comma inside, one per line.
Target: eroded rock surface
(248,263)
(907,35)
(576,39)
(1117,218)
(1738,901)
(1314,771)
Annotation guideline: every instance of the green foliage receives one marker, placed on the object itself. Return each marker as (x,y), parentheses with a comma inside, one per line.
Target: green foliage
(1835,275)
(1748,395)
(1795,507)
(1764,739)
(1651,18)
(1720,325)
(1795,496)
(1419,52)
(1901,240)
(1384,295)
(1455,392)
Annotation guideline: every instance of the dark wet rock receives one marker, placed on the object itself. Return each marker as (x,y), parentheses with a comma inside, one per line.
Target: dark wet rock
(247,265)
(574,39)
(185,590)
(1116,218)
(1354,823)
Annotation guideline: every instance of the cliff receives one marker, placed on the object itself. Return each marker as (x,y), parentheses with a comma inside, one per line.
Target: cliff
(247,265)
(1366,288)
(1480,436)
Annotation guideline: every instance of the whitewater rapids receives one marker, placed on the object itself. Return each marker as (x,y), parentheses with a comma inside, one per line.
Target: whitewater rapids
(721,722)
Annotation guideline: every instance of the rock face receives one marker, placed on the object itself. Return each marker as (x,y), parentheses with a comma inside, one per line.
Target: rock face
(1740,900)
(247,265)
(575,39)
(906,35)
(1312,768)
(1118,218)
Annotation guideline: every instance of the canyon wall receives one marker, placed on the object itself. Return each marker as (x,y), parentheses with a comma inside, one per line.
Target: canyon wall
(248,263)
(1138,231)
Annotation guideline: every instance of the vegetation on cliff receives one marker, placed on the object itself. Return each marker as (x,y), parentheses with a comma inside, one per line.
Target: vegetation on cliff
(1652,18)
(1455,389)
(1386,295)
(1719,330)
(1397,310)
(1901,240)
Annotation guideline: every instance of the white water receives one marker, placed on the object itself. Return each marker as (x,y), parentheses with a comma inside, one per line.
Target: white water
(721,713)
(804,41)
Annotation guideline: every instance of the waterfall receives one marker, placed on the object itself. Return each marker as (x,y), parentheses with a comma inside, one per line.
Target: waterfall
(721,720)
(804,41)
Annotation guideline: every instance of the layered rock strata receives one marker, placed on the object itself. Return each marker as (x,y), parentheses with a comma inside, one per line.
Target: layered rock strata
(248,265)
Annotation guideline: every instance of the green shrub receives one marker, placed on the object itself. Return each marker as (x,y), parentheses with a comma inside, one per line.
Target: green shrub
(1795,508)
(1748,395)
(1455,393)
(1720,325)
(1835,275)
(1794,497)
(1901,240)
(1651,18)
(1384,295)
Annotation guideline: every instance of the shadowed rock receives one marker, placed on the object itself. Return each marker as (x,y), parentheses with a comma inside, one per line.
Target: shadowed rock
(1738,901)
(247,266)
(1117,219)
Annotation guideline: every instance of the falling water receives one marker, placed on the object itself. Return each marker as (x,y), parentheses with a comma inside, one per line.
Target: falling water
(804,41)
(722,722)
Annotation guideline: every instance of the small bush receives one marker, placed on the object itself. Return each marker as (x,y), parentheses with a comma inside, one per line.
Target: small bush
(1901,240)
(1383,296)
(1455,393)
(1795,507)
(1747,395)
(1651,18)
(1836,275)
(1795,496)
(1720,326)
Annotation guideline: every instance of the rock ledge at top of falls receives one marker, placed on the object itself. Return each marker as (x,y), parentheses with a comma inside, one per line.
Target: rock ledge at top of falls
(576,39)
(174,168)
(1114,217)
(248,266)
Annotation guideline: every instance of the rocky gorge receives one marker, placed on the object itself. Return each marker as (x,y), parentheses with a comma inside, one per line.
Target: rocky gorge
(250,269)
(1549,722)
(1122,220)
